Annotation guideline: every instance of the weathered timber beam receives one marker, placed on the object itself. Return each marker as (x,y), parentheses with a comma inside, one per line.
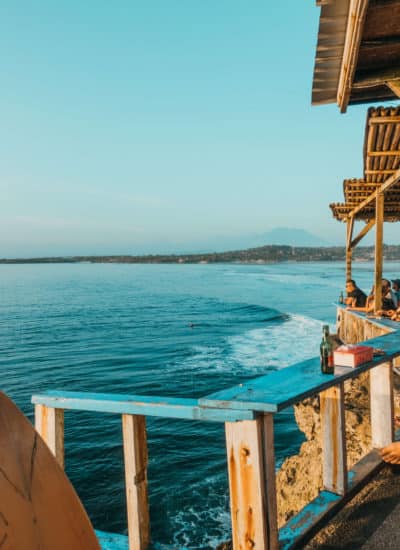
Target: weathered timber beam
(355,24)
(394,85)
(392,180)
(376,78)
(362,233)
(373,43)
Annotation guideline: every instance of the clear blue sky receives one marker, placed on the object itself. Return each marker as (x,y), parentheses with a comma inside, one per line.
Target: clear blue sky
(130,126)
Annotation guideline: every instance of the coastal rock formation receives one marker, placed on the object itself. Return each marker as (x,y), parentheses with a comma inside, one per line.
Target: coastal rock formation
(299,479)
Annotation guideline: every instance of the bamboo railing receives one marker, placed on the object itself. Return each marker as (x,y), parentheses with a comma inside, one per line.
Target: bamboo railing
(247,410)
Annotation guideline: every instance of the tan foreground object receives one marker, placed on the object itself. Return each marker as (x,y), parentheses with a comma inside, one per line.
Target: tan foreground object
(38,505)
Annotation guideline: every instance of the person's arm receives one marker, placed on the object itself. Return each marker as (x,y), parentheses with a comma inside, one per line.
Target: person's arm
(353,308)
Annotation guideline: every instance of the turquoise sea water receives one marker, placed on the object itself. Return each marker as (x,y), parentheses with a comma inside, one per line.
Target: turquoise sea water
(177,330)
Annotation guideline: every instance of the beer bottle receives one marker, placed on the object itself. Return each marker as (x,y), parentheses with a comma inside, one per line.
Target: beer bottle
(341,298)
(326,352)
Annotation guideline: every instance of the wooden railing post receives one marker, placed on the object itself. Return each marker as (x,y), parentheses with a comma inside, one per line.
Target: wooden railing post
(381,395)
(49,423)
(136,458)
(244,445)
(270,482)
(333,440)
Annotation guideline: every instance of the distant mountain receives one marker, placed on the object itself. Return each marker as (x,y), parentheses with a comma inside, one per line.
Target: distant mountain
(285,236)
(291,237)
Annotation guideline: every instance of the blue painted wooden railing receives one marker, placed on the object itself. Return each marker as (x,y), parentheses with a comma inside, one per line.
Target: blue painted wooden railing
(247,411)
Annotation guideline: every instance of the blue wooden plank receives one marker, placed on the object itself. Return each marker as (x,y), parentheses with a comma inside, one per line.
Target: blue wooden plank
(167,407)
(301,523)
(112,541)
(327,503)
(279,389)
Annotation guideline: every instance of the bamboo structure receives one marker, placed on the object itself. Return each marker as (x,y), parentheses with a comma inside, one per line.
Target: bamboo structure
(374,199)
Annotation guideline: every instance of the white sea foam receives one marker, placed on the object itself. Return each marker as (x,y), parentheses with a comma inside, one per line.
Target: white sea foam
(277,345)
(252,352)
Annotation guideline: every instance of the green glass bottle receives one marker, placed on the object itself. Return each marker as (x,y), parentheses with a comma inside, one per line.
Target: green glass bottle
(326,352)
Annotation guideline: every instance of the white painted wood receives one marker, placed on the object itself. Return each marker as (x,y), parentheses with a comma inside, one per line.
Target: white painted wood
(333,434)
(246,484)
(136,459)
(381,394)
(270,482)
(49,423)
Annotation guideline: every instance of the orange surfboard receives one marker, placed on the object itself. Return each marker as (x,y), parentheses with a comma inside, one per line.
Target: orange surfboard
(38,505)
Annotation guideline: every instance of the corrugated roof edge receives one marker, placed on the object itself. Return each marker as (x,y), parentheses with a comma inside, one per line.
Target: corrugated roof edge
(330,44)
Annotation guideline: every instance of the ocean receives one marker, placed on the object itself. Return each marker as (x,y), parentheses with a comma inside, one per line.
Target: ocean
(167,330)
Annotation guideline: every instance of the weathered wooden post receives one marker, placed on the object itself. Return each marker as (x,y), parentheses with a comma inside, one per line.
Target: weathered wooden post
(333,439)
(49,423)
(349,249)
(136,459)
(270,481)
(381,401)
(249,445)
(246,484)
(379,216)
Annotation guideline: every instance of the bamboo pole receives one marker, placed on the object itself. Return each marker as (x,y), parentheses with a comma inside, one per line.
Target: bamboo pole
(349,231)
(379,212)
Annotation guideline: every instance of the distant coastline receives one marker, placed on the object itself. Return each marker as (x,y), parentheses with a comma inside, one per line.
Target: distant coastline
(259,255)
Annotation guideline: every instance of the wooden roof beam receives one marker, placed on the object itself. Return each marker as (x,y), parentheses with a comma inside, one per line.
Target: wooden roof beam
(355,24)
(394,85)
(362,233)
(376,77)
(392,180)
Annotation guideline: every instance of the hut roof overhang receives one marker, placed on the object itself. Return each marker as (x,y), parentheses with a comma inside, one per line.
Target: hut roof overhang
(381,170)
(358,52)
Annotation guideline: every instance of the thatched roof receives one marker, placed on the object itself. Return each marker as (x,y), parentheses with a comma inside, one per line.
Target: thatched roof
(358,52)
(381,165)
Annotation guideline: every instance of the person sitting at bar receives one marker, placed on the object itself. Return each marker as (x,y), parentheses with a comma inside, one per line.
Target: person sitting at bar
(388,306)
(388,302)
(396,290)
(355,296)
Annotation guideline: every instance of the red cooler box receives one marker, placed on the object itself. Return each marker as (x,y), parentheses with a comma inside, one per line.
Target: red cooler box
(352,355)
